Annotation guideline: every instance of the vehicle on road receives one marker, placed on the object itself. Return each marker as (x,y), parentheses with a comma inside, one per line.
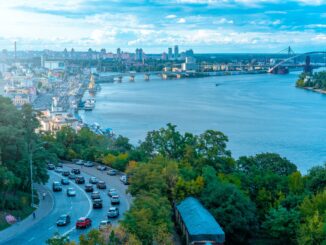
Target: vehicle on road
(65,173)
(71,192)
(58,170)
(80,180)
(51,166)
(97,203)
(112,192)
(63,220)
(60,164)
(101,185)
(124,179)
(56,186)
(112,172)
(95,195)
(104,224)
(65,181)
(115,200)
(101,168)
(89,188)
(113,212)
(93,180)
(72,176)
(79,162)
(88,164)
(83,222)
(75,171)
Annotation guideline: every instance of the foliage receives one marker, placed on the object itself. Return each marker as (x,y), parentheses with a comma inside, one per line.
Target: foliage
(316,178)
(316,80)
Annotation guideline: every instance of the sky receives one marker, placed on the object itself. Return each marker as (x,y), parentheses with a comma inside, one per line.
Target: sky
(207,26)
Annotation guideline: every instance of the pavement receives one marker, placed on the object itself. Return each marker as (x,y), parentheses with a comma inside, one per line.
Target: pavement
(37,231)
(44,208)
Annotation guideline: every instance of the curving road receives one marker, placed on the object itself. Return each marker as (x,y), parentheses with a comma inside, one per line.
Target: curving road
(78,206)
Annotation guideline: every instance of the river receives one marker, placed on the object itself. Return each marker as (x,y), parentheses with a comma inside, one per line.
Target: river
(259,113)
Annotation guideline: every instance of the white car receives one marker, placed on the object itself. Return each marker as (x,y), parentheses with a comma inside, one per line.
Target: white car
(71,192)
(58,170)
(113,212)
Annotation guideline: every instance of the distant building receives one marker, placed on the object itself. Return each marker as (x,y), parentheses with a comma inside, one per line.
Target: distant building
(176,52)
(189,53)
(170,55)
(189,65)
(53,64)
(139,54)
(197,224)
(164,56)
(118,53)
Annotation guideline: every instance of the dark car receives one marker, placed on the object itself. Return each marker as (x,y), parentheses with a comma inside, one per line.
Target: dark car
(89,188)
(93,180)
(51,166)
(101,185)
(83,223)
(65,173)
(97,203)
(95,195)
(115,200)
(113,212)
(80,180)
(63,220)
(72,176)
(101,167)
(64,181)
(56,186)
(75,171)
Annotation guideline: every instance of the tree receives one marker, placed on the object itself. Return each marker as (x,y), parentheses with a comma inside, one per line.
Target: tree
(316,178)
(282,224)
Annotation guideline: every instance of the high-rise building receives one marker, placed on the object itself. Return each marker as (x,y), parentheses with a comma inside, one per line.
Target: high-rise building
(164,57)
(139,54)
(118,52)
(176,52)
(170,55)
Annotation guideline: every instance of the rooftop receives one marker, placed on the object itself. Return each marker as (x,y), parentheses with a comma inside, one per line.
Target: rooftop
(198,219)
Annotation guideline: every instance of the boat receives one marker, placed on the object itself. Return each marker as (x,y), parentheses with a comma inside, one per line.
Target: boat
(89,104)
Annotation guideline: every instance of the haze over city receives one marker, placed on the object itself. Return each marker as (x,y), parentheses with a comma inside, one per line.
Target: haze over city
(208,26)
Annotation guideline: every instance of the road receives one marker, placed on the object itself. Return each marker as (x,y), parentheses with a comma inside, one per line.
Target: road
(78,206)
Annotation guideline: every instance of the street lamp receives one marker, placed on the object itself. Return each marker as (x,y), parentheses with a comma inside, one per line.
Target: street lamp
(31,171)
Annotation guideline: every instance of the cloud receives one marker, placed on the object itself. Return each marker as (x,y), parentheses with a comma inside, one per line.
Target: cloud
(182,20)
(223,21)
(171,16)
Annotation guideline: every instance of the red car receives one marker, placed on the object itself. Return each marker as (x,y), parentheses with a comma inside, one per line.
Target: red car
(83,223)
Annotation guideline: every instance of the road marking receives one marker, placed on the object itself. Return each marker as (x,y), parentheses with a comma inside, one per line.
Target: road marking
(50,228)
(31,239)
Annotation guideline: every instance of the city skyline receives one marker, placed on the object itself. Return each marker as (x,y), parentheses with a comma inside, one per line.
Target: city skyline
(207,26)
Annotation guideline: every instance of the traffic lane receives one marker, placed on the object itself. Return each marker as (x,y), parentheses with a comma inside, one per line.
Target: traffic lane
(45,229)
(111,182)
(96,215)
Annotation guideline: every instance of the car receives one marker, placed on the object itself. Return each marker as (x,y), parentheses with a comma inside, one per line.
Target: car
(63,220)
(124,179)
(97,203)
(93,180)
(71,192)
(58,170)
(64,181)
(56,186)
(112,172)
(101,168)
(113,212)
(115,200)
(83,222)
(79,162)
(51,166)
(72,176)
(88,164)
(80,180)
(112,192)
(89,188)
(75,171)
(95,195)
(101,185)
(59,164)
(65,173)
(104,224)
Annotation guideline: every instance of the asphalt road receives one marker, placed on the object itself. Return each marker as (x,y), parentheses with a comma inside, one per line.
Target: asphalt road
(78,206)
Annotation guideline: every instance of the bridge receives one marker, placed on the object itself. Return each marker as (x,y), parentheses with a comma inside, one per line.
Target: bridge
(272,69)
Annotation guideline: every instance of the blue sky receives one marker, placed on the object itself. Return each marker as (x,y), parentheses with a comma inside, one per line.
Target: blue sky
(204,25)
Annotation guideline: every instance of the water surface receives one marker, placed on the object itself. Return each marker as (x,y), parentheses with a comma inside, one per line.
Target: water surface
(259,113)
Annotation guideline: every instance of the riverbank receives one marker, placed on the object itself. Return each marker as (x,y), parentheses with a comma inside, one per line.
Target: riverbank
(320,91)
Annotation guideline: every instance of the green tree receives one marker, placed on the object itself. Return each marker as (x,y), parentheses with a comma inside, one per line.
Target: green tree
(316,178)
